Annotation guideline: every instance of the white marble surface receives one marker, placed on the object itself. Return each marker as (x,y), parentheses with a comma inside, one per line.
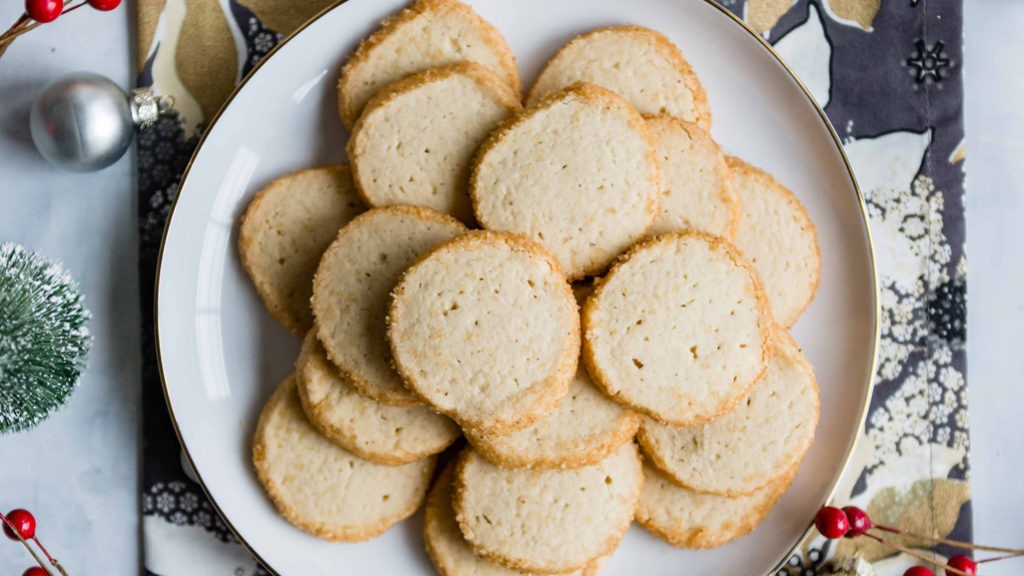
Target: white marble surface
(995,283)
(78,471)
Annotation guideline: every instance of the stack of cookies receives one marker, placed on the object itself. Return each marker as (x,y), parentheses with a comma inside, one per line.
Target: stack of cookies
(567,281)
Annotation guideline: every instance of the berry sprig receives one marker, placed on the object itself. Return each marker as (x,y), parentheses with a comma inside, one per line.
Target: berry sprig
(20,525)
(852,522)
(38,12)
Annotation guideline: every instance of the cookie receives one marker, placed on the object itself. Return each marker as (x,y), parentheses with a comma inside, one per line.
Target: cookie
(353,285)
(642,65)
(576,173)
(679,329)
(486,330)
(449,551)
(696,184)
(547,520)
(427,34)
(415,139)
(779,239)
(688,519)
(752,446)
(373,431)
(585,428)
(324,489)
(285,229)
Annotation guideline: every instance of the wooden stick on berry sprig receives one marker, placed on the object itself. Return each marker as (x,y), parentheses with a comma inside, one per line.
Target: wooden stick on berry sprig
(851,522)
(20,525)
(38,12)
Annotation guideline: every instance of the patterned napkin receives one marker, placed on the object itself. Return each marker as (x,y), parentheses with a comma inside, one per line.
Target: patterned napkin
(890,78)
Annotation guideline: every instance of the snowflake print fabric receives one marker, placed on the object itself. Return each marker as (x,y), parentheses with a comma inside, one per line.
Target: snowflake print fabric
(894,86)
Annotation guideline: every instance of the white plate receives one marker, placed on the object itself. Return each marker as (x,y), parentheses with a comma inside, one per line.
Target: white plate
(222,354)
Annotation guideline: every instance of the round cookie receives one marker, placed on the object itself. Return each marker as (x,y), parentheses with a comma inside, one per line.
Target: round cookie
(752,446)
(696,184)
(576,173)
(678,329)
(449,551)
(547,520)
(427,34)
(778,237)
(688,519)
(585,428)
(285,229)
(642,65)
(322,488)
(415,140)
(377,432)
(486,330)
(353,285)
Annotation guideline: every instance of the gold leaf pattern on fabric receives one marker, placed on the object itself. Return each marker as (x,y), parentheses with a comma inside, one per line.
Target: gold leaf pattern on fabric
(284,16)
(901,562)
(207,59)
(165,66)
(959,153)
(859,12)
(761,15)
(928,507)
(147,17)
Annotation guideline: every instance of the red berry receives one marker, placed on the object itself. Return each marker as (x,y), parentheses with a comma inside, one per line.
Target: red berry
(43,10)
(24,521)
(35,571)
(918,571)
(831,522)
(104,5)
(859,521)
(964,564)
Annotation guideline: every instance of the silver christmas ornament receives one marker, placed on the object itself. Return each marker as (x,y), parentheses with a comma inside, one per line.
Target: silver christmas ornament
(85,122)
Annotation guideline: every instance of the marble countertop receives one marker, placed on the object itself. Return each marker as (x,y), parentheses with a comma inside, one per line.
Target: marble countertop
(78,471)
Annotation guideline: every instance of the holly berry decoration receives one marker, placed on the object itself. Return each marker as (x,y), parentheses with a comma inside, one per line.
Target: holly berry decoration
(831,522)
(23,521)
(43,10)
(20,525)
(858,520)
(853,522)
(962,563)
(104,5)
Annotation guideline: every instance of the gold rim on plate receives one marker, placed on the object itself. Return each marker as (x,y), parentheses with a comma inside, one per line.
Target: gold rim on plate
(875,335)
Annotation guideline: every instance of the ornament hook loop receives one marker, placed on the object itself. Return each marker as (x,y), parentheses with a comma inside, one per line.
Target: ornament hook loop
(165,103)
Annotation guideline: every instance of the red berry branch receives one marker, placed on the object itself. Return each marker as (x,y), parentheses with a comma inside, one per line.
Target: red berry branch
(20,525)
(852,522)
(39,12)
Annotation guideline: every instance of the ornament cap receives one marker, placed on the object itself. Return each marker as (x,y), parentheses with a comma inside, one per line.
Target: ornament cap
(147,107)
